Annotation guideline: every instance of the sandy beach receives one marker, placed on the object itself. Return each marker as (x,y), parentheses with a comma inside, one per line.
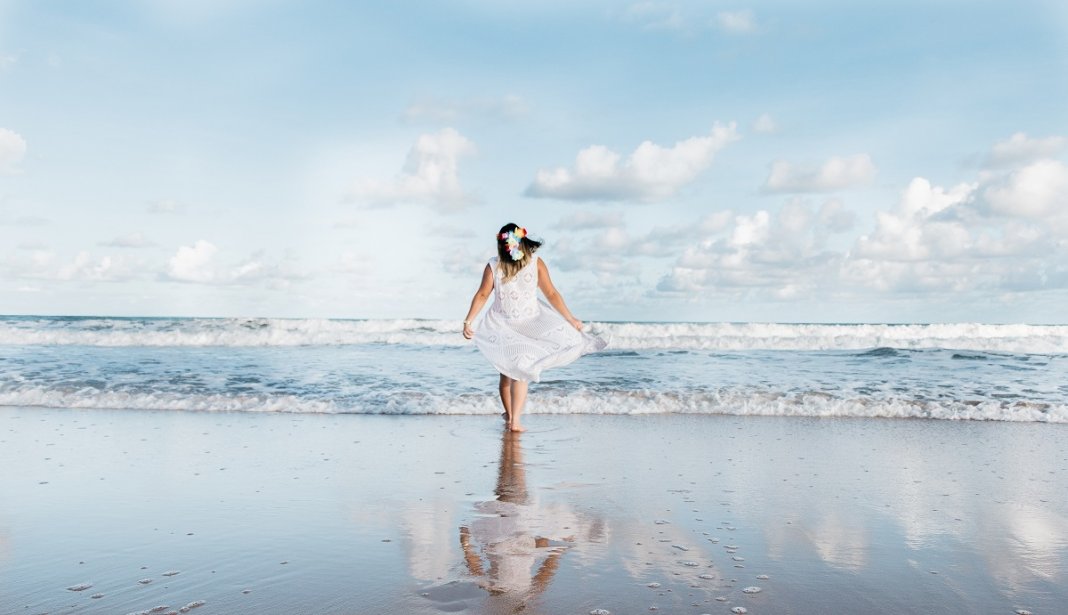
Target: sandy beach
(129,511)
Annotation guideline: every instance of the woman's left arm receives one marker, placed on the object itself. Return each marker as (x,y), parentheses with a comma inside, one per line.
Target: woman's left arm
(545,283)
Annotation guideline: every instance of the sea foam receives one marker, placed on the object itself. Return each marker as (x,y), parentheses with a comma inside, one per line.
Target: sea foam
(251,332)
(725,402)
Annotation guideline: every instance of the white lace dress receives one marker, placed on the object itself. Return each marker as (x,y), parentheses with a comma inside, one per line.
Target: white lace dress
(522,335)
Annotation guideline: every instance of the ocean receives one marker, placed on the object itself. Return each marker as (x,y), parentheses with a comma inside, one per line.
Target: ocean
(415,367)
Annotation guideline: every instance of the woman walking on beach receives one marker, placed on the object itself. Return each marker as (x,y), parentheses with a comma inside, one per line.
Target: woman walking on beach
(520,335)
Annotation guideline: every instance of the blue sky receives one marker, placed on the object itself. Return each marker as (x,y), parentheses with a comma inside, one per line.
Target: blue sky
(766,161)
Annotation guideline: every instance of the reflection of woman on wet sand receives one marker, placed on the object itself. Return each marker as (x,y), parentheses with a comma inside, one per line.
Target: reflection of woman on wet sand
(511,532)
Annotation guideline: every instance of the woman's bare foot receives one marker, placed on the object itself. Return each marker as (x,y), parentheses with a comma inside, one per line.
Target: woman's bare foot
(516,427)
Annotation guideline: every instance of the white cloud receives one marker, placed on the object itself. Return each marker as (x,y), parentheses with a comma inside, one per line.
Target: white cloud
(132,240)
(43,264)
(430,175)
(510,107)
(1019,148)
(1001,234)
(913,230)
(765,125)
(779,255)
(193,263)
(197,264)
(671,239)
(165,206)
(12,151)
(837,173)
(741,22)
(28,263)
(614,239)
(258,269)
(1037,191)
(7,60)
(836,217)
(85,268)
(1007,233)
(461,263)
(651,172)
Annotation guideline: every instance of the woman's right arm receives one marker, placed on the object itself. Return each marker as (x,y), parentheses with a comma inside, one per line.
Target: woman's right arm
(479,300)
(545,283)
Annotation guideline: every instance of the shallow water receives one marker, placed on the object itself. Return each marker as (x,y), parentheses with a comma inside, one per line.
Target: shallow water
(422,367)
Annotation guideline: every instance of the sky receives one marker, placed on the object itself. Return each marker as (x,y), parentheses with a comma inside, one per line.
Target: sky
(824,161)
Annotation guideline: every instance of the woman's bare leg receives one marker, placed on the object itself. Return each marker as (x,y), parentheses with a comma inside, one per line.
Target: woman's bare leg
(519,399)
(506,397)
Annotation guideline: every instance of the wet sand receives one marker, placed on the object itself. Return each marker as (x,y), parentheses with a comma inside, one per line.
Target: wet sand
(127,511)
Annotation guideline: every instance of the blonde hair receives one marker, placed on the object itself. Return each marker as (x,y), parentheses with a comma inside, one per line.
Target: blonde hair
(508,267)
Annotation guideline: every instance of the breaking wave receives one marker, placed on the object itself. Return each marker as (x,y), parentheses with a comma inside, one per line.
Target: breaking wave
(253,332)
(729,402)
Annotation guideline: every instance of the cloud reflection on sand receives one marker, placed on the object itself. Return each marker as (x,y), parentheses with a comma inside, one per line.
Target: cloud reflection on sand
(841,542)
(430,544)
(874,498)
(1037,539)
(652,550)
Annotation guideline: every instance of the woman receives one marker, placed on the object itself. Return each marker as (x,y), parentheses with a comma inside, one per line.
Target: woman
(520,335)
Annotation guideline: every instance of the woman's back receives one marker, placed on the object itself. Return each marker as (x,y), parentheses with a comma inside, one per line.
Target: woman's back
(518,297)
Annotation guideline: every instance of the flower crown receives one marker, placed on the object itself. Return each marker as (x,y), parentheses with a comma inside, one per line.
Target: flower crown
(511,242)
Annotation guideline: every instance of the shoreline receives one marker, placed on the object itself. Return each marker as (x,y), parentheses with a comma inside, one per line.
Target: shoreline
(335,513)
